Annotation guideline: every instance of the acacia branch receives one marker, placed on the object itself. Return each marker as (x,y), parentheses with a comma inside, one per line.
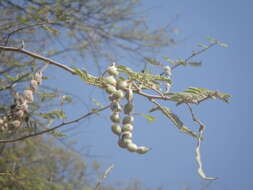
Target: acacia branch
(37,56)
(56,127)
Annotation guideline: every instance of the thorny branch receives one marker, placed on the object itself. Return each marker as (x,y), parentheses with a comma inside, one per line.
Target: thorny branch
(56,127)
(197,150)
(194,54)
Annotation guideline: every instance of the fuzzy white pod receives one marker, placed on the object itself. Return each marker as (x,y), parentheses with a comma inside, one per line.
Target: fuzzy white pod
(119,94)
(34,85)
(126,134)
(110,89)
(128,119)
(131,147)
(116,107)
(127,127)
(115,117)
(167,70)
(116,129)
(142,149)
(112,70)
(110,80)
(28,95)
(122,84)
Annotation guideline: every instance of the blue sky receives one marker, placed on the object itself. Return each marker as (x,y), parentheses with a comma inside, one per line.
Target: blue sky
(227,149)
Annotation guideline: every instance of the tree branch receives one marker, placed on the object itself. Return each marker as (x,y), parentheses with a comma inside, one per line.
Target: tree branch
(54,128)
(37,56)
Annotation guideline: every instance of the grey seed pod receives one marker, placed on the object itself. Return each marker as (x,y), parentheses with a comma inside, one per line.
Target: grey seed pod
(126,134)
(110,89)
(38,77)
(119,94)
(126,141)
(167,70)
(131,147)
(28,95)
(110,80)
(128,108)
(112,70)
(122,84)
(15,124)
(127,127)
(34,85)
(116,107)
(128,119)
(142,149)
(115,117)
(129,95)
(116,129)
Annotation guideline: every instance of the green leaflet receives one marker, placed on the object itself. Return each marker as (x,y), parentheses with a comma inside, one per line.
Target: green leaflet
(54,114)
(176,121)
(195,95)
(150,118)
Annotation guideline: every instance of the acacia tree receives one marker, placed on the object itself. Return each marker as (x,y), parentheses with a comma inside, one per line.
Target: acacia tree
(35,33)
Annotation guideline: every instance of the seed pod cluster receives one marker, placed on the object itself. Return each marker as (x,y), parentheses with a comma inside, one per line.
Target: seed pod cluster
(19,109)
(118,89)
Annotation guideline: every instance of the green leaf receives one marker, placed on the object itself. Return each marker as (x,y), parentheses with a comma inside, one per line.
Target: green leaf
(150,118)
(54,114)
(152,61)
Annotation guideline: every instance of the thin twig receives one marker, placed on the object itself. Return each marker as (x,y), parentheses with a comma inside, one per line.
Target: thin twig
(54,128)
(105,175)
(194,54)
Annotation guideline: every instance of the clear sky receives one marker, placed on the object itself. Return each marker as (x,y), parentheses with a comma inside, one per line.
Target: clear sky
(227,149)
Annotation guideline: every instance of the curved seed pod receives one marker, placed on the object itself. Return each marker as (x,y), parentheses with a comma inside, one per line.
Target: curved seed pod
(129,95)
(116,129)
(142,149)
(121,143)
(34,85)
(126,141)
(128,119)
(115,117)
(131,147)
(126,134)
(110,80)
(28,95)
(119,94)
(122,84)
(116,107)
(110,89)
(38,77)
(112,70)
(128,108)
(127,127)
(15,124)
